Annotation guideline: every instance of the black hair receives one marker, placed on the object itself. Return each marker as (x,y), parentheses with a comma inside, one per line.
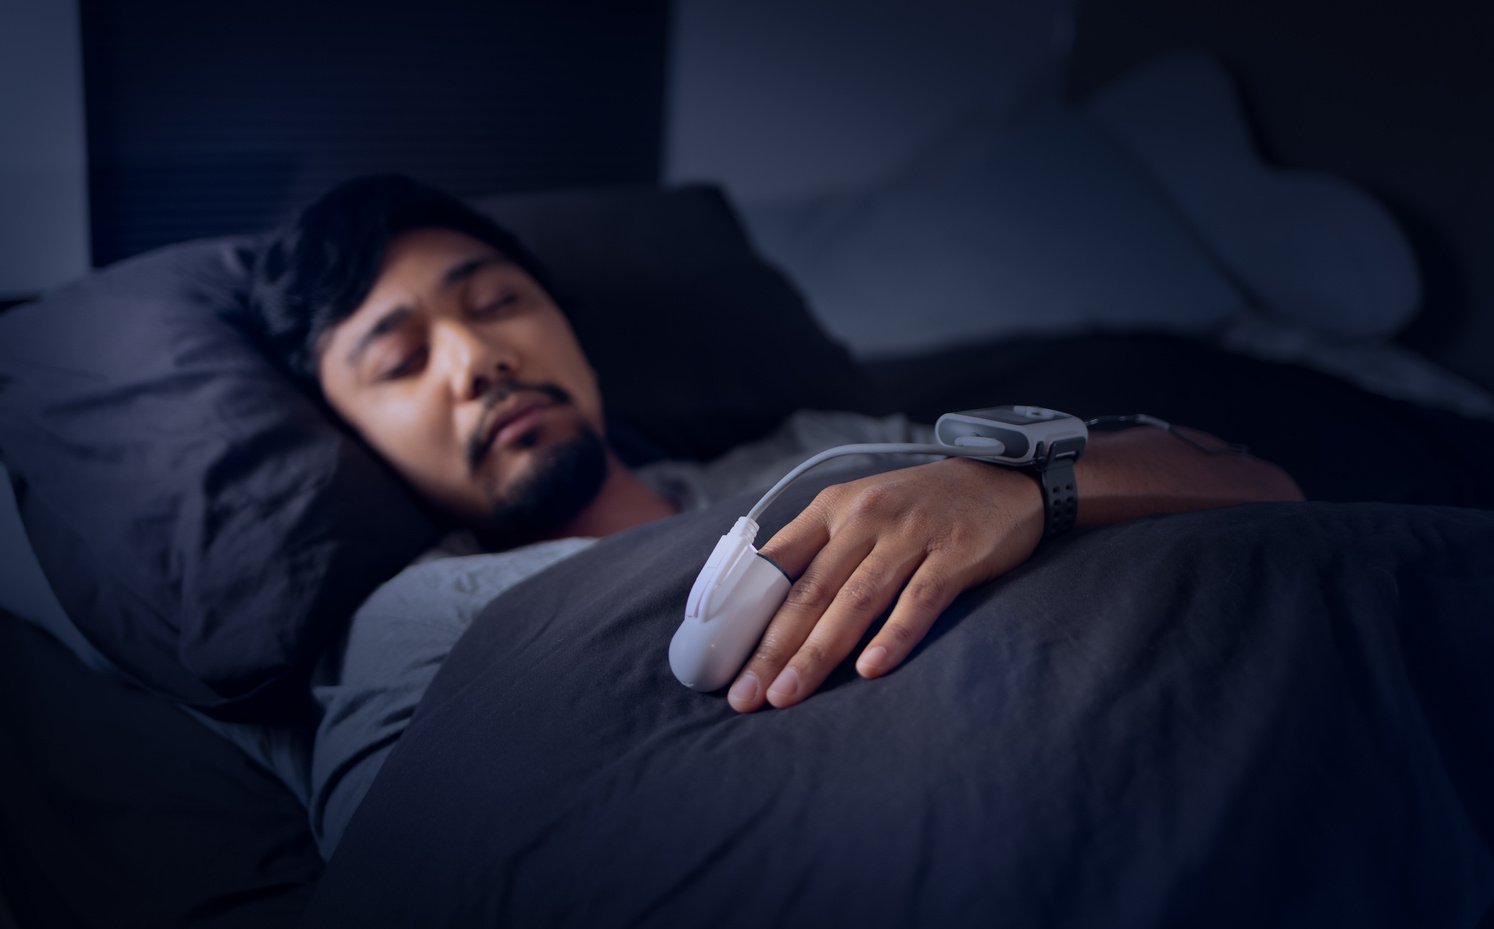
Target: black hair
(314,272)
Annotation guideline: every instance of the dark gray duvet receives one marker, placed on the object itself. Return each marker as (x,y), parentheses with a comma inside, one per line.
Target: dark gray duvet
(1270,715)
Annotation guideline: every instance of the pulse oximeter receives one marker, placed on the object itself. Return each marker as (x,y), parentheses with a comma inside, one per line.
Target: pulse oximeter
(738,591)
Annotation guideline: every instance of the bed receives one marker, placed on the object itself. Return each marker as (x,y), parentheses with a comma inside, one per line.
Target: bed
(1270,714)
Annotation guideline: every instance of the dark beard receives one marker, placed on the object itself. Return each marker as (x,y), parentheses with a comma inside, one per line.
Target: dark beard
(561,483)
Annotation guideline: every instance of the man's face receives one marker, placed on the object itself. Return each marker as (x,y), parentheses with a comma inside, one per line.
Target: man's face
(460,370)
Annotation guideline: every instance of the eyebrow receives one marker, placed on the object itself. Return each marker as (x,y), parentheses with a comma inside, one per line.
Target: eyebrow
(456,275)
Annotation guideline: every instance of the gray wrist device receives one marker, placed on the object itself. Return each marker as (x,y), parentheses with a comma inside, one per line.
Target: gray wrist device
(1042,441)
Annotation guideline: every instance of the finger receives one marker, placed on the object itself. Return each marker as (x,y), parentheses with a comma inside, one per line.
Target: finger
(929,592)
(866,594)
(806,602)
(793,547)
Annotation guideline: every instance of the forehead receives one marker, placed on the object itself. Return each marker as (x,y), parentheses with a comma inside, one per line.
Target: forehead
(422,258)
(418,264)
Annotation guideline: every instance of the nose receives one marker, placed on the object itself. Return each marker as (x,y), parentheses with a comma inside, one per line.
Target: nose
(475,365)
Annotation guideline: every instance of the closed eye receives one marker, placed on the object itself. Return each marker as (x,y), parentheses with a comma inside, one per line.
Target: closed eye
(497,307)
(406,367)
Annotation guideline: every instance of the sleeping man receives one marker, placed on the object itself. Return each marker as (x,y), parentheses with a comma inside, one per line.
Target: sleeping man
(431,332)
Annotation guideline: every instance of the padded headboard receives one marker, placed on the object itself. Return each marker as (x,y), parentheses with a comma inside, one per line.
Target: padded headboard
(1395,96)
(214,119)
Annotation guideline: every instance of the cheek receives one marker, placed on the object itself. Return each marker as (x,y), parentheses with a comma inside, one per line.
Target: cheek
(411,433)
(579,376)
(591,399)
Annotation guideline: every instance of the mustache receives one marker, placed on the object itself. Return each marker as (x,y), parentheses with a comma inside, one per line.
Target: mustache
(493,399)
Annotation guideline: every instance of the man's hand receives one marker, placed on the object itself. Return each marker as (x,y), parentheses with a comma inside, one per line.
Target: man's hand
(920,536)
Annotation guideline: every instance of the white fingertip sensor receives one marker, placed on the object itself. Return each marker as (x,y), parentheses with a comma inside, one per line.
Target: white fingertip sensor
(734,597)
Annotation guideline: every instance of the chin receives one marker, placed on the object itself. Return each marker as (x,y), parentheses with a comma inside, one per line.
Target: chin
(552,481)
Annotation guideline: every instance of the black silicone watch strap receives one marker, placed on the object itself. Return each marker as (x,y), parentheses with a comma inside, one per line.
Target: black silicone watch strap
(1060,498)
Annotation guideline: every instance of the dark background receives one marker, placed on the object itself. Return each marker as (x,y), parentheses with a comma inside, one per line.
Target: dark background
(1396,96)
(209,118)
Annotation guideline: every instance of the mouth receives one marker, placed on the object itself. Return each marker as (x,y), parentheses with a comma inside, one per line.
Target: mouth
(506,424)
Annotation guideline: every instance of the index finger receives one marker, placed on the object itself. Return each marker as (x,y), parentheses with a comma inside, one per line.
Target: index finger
(794,546)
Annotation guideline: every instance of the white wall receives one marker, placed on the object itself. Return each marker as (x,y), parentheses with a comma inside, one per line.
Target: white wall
(43,153)
(781,98)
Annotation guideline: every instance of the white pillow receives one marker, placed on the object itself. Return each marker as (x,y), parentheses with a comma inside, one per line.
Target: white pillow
(1043,229)
(1309,248)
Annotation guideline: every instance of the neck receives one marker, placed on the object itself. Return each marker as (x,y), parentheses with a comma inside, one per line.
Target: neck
(623,502)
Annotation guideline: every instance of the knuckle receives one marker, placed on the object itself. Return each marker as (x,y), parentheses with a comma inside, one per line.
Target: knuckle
(771,651)
(807,592)
(959,534)
(813,654)
(903,636)
(953,538)
(861,595)
(871,501)
(828,499)
(928,593)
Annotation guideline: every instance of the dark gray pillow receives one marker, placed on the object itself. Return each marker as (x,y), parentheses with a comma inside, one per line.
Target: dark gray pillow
(700,344)
(208,527)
